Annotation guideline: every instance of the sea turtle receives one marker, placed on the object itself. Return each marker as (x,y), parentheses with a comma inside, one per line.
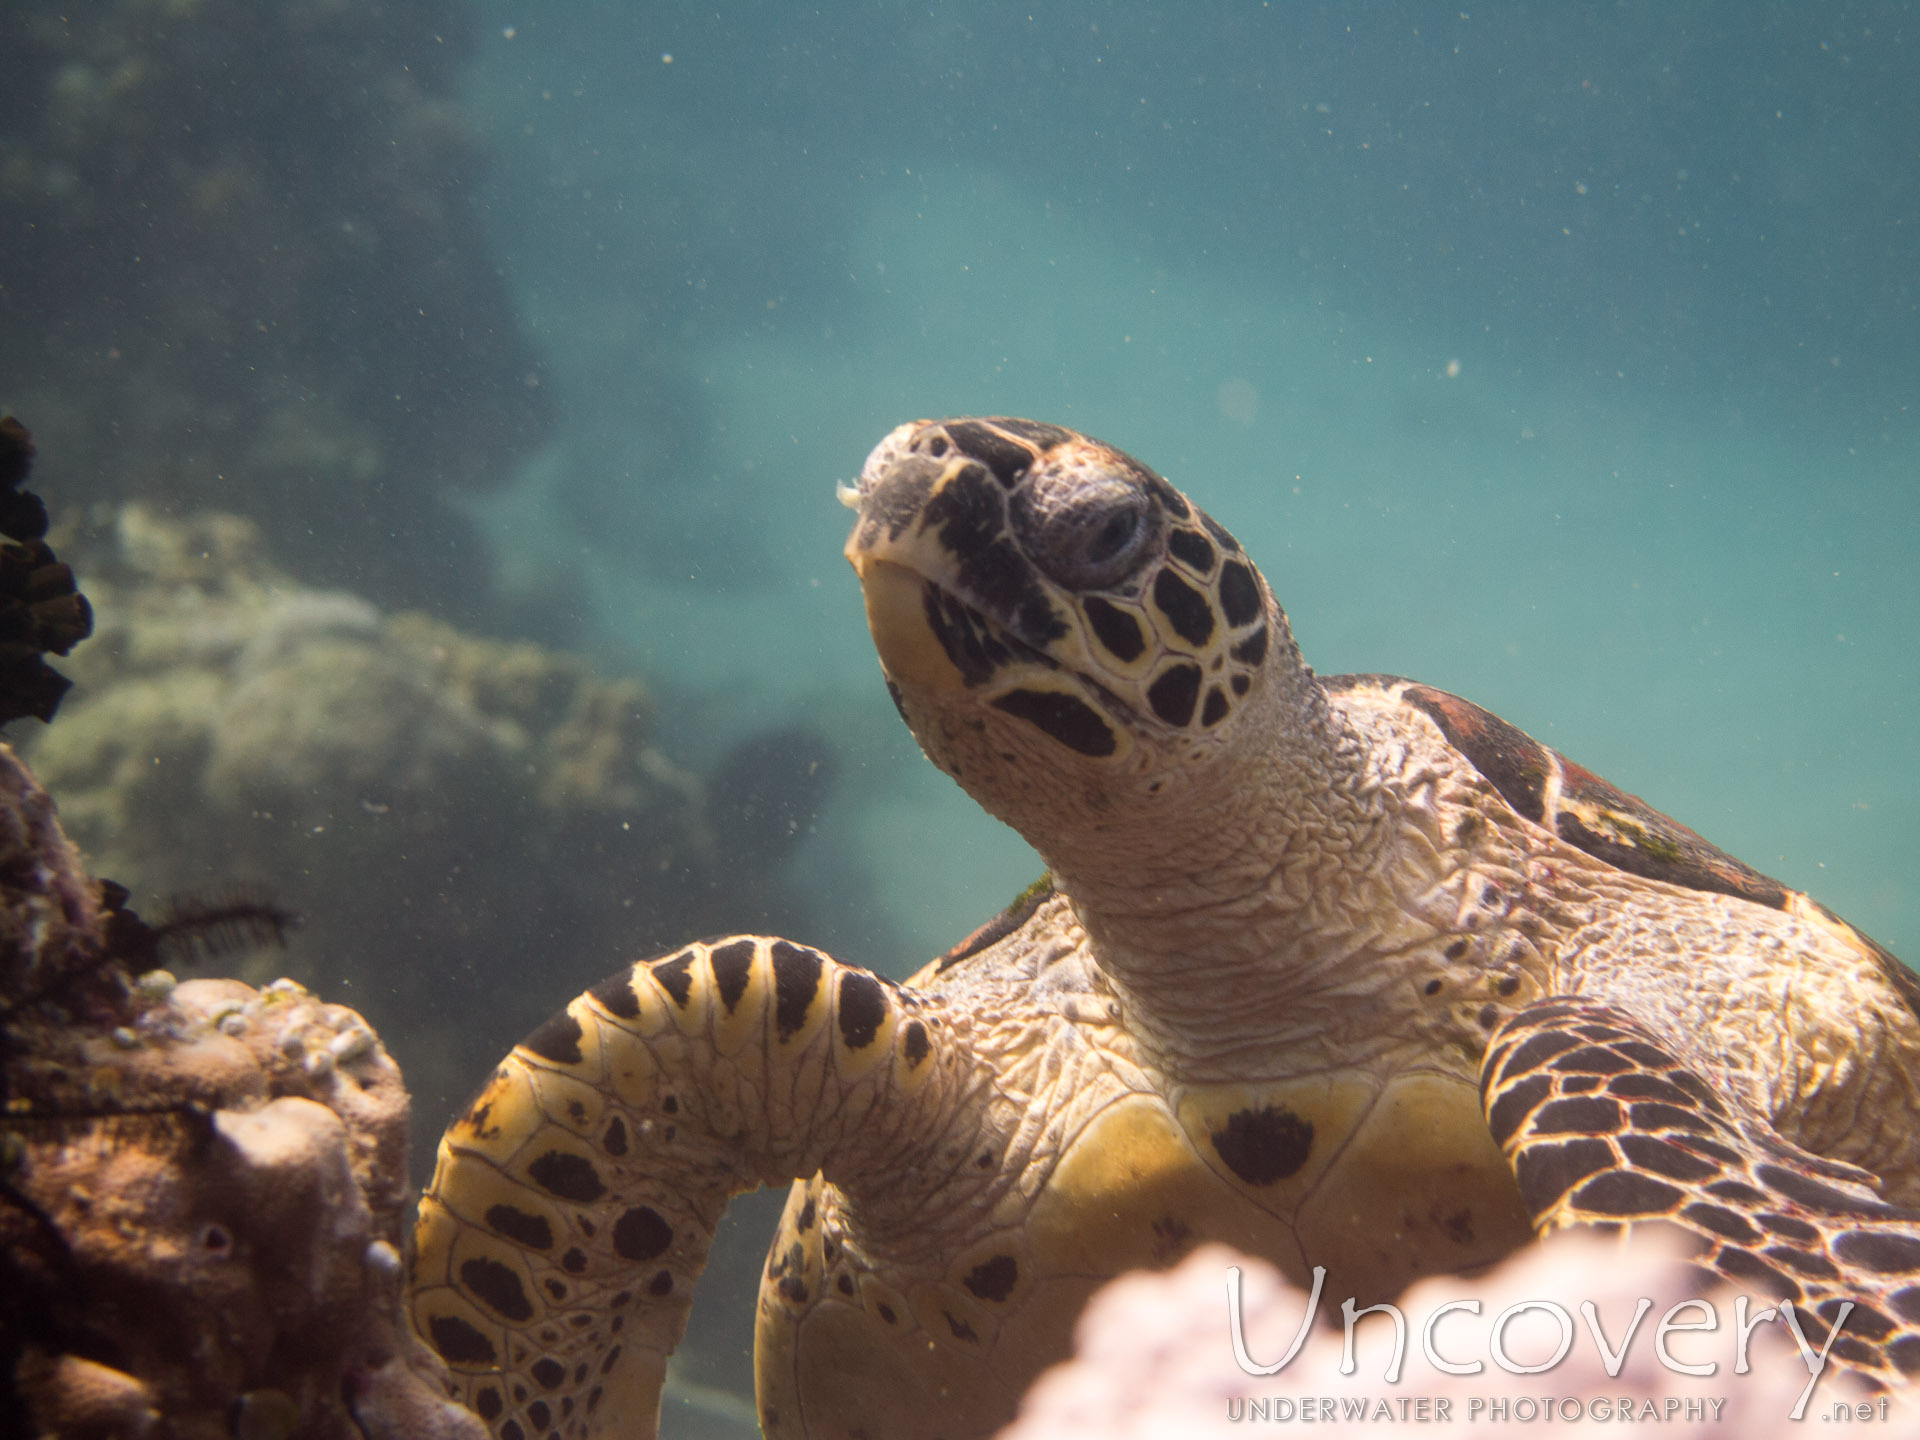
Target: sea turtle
(1342,970)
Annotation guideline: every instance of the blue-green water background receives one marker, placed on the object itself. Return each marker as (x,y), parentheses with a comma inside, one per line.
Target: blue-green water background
(1563,356)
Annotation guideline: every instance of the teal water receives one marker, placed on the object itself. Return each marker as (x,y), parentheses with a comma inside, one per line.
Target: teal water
(1563,358)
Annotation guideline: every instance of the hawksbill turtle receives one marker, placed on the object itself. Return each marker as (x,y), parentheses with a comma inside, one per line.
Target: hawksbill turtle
(1341,970)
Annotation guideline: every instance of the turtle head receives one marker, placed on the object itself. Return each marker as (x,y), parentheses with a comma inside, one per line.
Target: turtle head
(1054,618)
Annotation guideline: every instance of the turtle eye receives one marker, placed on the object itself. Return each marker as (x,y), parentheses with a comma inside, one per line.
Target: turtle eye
(1096,539)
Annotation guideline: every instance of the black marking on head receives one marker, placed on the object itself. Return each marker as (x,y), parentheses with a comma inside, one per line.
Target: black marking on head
(1879,1251)
(661,1284)
(885,1312)
(1118,631)
(1239,593)
(676,977)
(558,1040)
(1546,1172)
(961,1330)
(497,1287)
(609,1360)
(796,981)
(574,1261)
(460,1344)
(615,995)
(1253,649)
(670,1104)
(807,1216)
(975,647)
(793,1288)
(845,1284)
(1175,693)
(512,1431)
(915,1045)
(1186,608)
(1587,1116)
(559,1292)
(994,1279)
(970,517)
(1265,1144)
(1651,1153)
(1219,533)
(1067,718)
(614,1141)
(1042,436)
(641,1234)
(862,1007)
(1241,684)
(1008,460)
(487,1401)
(1215,710)
(539,1413)
(533,1231)
(732,965)
(571,1177)
(1192,549)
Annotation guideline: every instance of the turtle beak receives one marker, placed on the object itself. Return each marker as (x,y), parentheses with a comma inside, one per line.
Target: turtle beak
(910,652)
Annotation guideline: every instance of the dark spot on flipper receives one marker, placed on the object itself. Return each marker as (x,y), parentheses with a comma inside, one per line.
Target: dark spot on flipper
(1239,593)
(1174,694)
(793,1288)
(1067,718)
(1623,1192)
(615,995)
(1534,1052)
(796,983)
(1115,628)
(1253,649)
(574,1261)
(807,1216)
(487,1401)
(994,1279)
(614,1141)
(1728,1224)
(862,1008)
(676,977)
(732,966)
(571,1177)
(961,1330)
(533,1231)
(611,1359)
(1241,684)
(1507,985)
(1457,949)
(1432,987)
(496,1286)
(558,1040)
(1515,1105)
(1817,1196)
(459,1343)
(1880,1251)
(661,1284)
(1215,710)
(1186,608)
(914,1044)
(539,1412)
(1546,1172)
(1652,1153)
(1264,1145)
(1585,1116)
(512,1431)
(1745,1265)
(641,1234)
(558,1291)
(885,1312)
(845,1284)
(1192,549)
(670,1105)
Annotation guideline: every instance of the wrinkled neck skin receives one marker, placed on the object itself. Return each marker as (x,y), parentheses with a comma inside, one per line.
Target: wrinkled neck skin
(1217,887)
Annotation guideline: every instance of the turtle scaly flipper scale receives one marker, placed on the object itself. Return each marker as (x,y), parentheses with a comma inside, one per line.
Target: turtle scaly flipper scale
(1605,1127)
(573,1204)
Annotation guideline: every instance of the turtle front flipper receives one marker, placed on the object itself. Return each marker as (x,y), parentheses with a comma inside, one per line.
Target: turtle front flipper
(1606,1127)
(571,1210)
